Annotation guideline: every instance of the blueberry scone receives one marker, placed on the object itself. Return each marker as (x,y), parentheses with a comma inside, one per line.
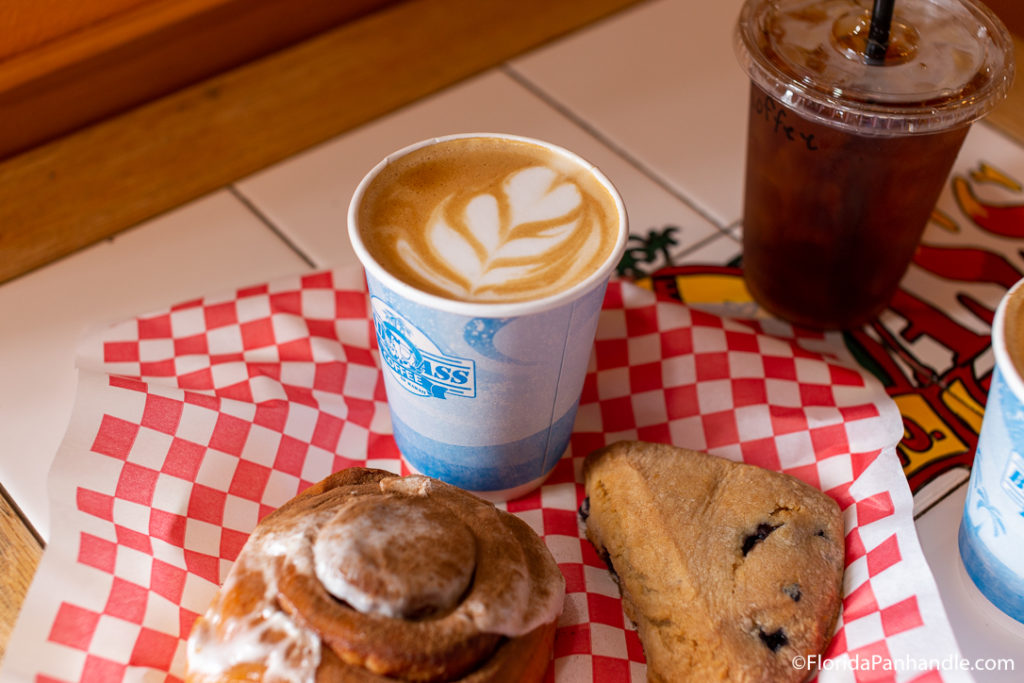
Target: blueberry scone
(729,571)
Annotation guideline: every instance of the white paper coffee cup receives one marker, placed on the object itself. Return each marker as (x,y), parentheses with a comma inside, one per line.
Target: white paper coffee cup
(483,395)
(991,536)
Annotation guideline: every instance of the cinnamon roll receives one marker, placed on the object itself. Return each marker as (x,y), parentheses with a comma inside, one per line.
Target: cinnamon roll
(368,576)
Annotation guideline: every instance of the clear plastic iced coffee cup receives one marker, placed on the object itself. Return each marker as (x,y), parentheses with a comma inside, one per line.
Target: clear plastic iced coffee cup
(846,159)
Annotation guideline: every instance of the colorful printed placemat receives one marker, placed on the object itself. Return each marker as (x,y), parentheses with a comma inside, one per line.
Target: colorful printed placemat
(194,422)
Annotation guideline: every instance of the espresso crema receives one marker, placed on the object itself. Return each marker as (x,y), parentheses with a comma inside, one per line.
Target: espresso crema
(1013,329)
(488,220)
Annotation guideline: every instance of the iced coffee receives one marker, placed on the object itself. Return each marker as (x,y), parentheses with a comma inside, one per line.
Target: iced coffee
(846,157)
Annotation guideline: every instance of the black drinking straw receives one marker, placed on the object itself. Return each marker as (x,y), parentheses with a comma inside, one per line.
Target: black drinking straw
(878,32)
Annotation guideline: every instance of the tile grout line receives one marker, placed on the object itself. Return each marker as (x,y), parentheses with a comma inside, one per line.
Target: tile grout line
(625,154)
(278,232)
(705,241)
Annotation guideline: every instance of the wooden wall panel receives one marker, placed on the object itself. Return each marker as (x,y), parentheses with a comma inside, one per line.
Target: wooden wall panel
(27,25)
(1011,12)
(74,191)
(65,64)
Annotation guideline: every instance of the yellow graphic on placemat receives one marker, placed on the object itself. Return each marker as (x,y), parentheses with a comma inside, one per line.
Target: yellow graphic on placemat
(713,288)
(988,174)
(960,401)
(927,438)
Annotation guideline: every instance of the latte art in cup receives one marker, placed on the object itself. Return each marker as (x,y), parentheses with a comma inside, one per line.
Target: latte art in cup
(488,220)
(487,257)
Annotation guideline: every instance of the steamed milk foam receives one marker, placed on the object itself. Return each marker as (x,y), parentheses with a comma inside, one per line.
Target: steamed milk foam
(1013,329)
(488,220)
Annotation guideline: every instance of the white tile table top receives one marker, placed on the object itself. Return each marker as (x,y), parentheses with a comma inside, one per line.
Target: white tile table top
(307,196)
(209,246)
(661,83)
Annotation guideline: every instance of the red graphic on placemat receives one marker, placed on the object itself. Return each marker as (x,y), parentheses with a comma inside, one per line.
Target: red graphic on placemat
(276,387)
(942,395)
(1005,220)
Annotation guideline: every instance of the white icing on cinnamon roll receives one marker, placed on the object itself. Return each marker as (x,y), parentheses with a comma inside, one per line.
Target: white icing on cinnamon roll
(381,576)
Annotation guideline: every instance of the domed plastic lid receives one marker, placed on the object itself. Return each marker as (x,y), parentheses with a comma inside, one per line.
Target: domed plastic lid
(949,62)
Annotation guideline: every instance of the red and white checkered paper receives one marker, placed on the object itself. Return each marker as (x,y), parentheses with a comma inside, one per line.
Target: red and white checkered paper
(193,423)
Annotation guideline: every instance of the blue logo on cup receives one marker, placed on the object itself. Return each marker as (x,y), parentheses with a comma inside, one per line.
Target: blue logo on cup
(417,363)
(1013,479)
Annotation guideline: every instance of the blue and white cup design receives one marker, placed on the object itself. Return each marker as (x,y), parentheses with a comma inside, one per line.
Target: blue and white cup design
(483,395)
(486,404)
(991,537)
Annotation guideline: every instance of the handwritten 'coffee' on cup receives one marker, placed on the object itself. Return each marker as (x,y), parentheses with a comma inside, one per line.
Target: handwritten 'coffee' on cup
(488,220)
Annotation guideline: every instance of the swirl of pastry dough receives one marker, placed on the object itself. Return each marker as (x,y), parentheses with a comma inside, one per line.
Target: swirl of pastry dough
(371,576)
